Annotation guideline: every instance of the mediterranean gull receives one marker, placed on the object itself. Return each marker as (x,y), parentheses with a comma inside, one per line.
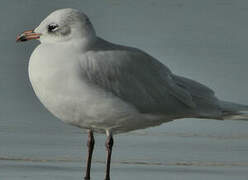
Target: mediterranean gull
(94,84)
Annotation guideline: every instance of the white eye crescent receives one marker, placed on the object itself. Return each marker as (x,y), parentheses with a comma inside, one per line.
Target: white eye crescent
(52,27)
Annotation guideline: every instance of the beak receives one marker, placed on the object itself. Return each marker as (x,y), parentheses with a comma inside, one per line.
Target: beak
(27,35)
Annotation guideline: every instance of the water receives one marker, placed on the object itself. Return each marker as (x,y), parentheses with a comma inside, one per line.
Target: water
(204,40)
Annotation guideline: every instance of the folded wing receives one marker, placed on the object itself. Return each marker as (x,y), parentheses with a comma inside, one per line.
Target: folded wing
(142,81)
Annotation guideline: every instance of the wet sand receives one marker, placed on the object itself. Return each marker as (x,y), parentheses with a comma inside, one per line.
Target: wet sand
(213,150)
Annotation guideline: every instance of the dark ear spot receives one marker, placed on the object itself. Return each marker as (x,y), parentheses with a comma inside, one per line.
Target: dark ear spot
(65,30)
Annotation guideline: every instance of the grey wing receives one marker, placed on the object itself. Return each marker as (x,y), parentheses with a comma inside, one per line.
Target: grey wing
(138,79)
(207,105)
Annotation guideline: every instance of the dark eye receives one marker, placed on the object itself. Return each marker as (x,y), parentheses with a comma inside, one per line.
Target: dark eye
(52,27)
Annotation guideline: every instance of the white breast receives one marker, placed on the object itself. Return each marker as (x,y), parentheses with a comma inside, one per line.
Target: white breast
(56,80)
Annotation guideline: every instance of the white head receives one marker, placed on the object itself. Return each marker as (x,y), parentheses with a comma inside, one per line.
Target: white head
(62,26)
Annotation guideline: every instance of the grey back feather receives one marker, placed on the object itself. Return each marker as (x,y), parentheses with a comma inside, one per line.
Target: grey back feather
(139,79)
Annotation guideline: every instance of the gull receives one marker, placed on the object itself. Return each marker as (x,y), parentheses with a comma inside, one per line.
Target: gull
(104,87)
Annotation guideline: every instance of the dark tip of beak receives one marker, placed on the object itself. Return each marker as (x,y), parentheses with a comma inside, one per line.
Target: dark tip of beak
(21,38)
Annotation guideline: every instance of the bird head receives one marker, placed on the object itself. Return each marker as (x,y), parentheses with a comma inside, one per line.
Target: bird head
(61,26)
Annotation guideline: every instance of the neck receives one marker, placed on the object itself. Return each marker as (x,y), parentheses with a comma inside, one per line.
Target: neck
(82,44)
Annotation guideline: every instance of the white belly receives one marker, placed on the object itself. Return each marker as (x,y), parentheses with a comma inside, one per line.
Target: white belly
(56,81)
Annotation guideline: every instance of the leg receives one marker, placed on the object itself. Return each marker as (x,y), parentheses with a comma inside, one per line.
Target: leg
(90,144)
(109,145)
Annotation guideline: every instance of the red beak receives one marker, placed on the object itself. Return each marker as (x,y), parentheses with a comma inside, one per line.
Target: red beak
(27,35)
